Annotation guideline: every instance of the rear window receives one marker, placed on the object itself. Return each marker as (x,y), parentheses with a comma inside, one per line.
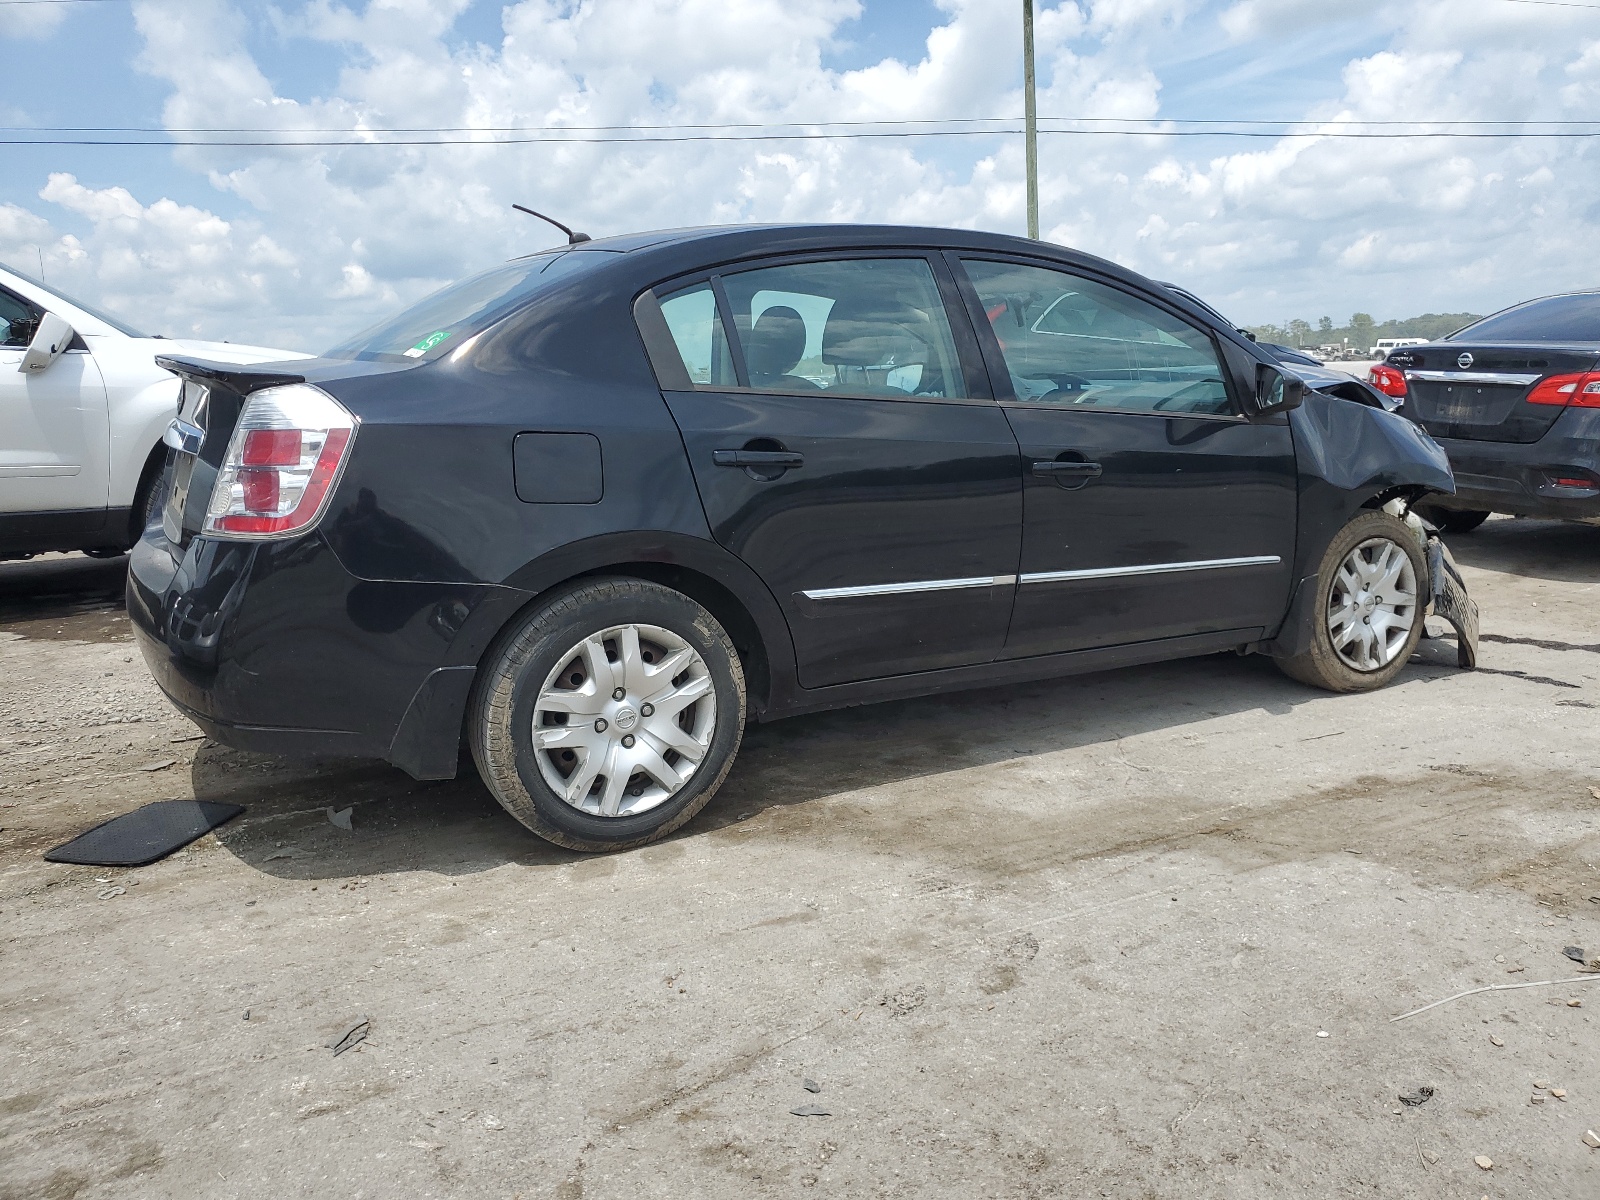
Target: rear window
(439,323)
(1554,319)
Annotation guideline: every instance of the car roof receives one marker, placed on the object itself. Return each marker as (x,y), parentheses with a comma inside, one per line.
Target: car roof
(707,246)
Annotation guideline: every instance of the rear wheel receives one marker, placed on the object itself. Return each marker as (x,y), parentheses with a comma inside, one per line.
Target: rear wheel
(1454,520)
(610,716)
(146,509)
(1368,613)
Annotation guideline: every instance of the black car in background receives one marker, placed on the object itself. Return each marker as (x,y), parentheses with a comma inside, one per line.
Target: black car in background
(1514,399)
(590,511)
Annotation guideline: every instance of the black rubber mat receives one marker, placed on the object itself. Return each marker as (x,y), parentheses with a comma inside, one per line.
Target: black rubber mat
(144,835)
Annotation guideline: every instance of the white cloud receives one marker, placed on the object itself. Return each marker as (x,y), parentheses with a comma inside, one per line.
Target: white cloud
(332,237)
(32,21)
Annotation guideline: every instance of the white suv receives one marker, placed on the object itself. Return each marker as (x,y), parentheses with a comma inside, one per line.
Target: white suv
(83,407)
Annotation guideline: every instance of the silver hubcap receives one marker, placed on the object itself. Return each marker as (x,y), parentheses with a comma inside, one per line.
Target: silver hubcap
(1373,605)
(624,721)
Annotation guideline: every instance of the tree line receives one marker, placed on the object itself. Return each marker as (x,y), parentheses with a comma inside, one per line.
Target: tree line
(1361,331)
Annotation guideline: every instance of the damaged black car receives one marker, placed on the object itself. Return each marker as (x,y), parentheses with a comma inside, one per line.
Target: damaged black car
(587,513)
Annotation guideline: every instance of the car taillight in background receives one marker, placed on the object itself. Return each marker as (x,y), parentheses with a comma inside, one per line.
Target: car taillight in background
(286,452)
(1580,391)
(1388,380)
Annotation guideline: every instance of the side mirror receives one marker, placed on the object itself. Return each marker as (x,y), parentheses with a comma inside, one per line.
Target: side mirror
(1277,392)
(49,343)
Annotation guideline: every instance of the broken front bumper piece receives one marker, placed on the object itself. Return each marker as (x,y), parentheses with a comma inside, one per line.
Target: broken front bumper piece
(1449,601)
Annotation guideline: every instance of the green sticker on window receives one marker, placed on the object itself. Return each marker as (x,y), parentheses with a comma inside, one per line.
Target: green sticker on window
(427,343)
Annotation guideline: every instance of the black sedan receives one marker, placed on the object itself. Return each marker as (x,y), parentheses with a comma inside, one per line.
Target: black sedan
(588,512)
(1514,399)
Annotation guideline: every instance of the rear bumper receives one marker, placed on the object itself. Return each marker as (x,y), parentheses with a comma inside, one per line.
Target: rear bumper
(277,648)
(1509,477)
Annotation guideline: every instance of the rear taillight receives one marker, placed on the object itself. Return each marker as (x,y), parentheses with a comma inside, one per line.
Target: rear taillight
(1580,391)
(1388,380)
(285,455)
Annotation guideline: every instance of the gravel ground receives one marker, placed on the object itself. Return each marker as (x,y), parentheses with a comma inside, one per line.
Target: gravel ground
(1137,934)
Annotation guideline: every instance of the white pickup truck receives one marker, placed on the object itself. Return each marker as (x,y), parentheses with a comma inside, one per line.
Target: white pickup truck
(83,407)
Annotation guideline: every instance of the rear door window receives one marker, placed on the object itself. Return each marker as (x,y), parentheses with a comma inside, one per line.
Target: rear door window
(860,326)
(696,328)
(1071,340)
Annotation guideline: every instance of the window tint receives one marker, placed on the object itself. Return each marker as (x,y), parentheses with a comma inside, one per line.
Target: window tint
(1555,319)
(18,320)
(692,319)
(439,323)
(869,327)
(1070,340)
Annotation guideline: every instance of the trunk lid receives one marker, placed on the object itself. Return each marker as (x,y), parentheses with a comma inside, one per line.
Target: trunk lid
(1478,392)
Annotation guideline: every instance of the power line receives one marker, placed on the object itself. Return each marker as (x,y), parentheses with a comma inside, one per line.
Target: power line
(290,143)
(1312,125)
(1555,3)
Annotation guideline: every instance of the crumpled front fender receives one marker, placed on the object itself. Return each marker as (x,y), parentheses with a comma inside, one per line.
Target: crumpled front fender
(1365,450)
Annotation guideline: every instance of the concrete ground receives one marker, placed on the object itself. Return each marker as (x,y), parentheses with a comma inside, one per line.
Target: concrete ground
(1138,934)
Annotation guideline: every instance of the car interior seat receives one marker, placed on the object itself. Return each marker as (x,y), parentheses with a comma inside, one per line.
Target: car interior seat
(866,337)
(775,347)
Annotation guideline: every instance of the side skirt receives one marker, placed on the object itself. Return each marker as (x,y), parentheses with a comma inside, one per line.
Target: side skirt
(1016,670)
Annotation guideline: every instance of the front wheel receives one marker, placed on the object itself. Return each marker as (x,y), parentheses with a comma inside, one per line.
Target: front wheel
(1370,600)
(609,717)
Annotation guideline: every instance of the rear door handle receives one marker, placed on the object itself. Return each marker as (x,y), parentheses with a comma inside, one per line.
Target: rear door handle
(1086,470)
(781,460)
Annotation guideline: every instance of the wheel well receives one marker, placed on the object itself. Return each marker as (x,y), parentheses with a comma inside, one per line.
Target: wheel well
(153,465)
(1410,493)
(722,604)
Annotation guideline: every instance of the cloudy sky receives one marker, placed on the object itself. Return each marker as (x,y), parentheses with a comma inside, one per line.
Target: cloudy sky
(297,246)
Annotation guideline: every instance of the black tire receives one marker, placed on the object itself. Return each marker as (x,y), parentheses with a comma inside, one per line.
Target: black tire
(506,697)
(1322,666)
(147,500)
(1455,520)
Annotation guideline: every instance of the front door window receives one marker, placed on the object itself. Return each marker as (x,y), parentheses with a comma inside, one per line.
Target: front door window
(1071,340)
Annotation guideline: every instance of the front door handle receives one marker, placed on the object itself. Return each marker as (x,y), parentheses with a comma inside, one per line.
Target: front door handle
(1085,470)
(772,460)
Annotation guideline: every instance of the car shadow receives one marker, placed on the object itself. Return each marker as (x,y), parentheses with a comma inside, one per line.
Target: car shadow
(64,597)
(455,828)
(1560,551)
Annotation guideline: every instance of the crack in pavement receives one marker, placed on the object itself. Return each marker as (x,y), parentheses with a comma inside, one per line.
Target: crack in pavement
(1526,678)
(1541,643)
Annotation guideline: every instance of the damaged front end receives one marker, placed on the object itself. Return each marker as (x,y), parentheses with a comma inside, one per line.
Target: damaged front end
(1447,591)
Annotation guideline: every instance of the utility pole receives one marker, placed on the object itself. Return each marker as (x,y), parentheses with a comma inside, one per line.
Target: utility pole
(1031,120)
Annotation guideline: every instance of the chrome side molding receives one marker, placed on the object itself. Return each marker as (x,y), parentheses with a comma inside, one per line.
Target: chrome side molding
(900,589)
(946,585)
(1207,564)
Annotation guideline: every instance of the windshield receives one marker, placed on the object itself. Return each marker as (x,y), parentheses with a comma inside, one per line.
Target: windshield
(441,322)
(1553,319)
(119,325)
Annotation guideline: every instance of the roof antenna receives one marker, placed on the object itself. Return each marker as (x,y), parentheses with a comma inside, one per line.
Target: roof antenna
(573,239)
